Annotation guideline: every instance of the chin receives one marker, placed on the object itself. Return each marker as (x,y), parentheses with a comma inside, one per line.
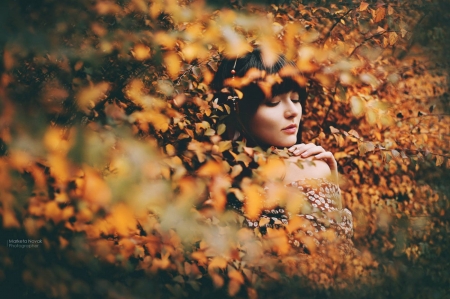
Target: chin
(287,143)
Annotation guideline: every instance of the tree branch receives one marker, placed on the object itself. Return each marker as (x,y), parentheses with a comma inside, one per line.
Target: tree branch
(334,25)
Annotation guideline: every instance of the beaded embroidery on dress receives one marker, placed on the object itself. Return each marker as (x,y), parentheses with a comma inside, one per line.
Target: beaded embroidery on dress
(327,215)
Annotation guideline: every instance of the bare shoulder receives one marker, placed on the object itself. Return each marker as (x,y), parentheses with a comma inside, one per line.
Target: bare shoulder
(299,168)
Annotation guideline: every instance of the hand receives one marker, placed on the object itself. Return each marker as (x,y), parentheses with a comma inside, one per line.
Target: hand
(318,152)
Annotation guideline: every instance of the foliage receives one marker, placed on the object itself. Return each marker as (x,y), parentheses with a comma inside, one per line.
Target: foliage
(111,152)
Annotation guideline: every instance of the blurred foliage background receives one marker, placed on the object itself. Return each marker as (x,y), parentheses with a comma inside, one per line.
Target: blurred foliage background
(111,155)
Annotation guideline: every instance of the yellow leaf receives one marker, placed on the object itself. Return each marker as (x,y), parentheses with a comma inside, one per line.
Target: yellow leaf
(211,168)
(236,170)
(254,201)
(334,130)
(173,64)
(439,160)
(393,37)
(224,145)
(403,32)
(236,45)
(200,257)
(88,97)
(217,262)
(263,221)
(371,116)
(170,149)
(96,191)
(221,129)
(354,133)
(295,203)
(141,52)
(243,158)
(395,153)
(357,105)
(390,10)
(209,132)
(363,6)
(236,280)
(270,48)
(273,169)
(122,219)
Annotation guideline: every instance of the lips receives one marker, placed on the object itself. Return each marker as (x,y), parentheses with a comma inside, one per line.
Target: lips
(290,127)
(291,130)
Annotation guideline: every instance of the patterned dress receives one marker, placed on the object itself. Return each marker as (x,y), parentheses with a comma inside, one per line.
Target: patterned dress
(326,223)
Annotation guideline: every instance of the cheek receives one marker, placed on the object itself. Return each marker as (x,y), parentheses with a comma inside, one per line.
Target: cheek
(265,119)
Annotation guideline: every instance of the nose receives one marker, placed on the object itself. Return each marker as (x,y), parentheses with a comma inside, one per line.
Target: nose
(292,110)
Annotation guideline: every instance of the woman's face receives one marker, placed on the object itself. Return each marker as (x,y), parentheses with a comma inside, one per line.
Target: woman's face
(275,114)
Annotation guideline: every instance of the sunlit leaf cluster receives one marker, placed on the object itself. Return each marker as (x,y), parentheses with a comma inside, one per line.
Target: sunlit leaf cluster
(112,148)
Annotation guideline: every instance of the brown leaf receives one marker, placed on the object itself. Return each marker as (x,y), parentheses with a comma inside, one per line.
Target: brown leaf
(380,14)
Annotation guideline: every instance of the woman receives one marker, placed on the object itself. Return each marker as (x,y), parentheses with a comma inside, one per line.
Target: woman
(266,112)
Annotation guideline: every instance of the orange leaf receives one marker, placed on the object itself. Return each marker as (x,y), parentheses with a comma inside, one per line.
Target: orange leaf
(53,212)
(173,64)
(200,257)
(122,219)
(254,202)
(9,219)
(380,14)
(96,191)
(211,168)
(88,97)
(141,52)
(217,262)
(363,6)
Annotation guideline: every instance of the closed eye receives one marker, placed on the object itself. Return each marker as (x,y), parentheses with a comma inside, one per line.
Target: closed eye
(272,104)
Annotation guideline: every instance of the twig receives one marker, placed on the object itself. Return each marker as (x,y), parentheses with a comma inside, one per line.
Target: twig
(367,39)
(329,109)
(334,25)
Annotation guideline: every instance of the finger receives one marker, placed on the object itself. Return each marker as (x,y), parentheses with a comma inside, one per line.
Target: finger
(312,150)
(295,146)
(305,147)
(323,155)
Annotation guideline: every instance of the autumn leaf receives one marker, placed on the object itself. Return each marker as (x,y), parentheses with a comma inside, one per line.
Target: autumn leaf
(363,6)
(254,201)
(141,52)
(211,168)
(357,105)
(88,97)
(380,14)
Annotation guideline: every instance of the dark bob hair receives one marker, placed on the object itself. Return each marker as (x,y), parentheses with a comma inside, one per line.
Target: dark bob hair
(252,94)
